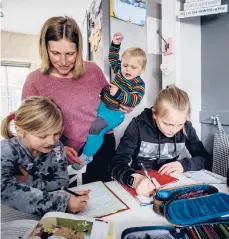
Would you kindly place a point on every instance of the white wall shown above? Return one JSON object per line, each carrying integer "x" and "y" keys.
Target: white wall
{"x": 189, "y": 66}
{"x": 28, "y": 16}
{"x": 186, "y": 60}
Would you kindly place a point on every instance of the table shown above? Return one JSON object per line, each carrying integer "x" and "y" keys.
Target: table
{"x": 136, "y": 216}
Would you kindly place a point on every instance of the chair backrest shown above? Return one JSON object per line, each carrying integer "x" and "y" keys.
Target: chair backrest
{"x": 76, "y": 174}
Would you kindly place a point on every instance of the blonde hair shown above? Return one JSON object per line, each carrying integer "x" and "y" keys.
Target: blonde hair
{"x": 174, "y": 97}
{"x": 36, "y": 115}
{"x": 58, "y": 28}
{"x": 136, "y": 52}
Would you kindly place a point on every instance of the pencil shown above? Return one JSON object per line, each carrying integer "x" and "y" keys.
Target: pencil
{"x": 147, "y": 175}
{"x": 69, "y": 191}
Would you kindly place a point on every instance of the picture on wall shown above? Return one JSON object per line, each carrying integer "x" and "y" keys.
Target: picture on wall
{"x": 133, "y": 11}
{"x": 94, "y": 25}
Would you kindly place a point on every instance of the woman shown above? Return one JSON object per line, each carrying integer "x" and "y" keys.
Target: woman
{"x": 75, "y": 86}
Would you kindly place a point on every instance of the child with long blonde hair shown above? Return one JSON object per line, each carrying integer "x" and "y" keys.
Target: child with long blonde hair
{"x": 33, "y": 162}
{"x": 156, "y": 138}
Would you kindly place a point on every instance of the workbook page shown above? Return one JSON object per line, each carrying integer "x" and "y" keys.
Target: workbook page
{"x": 101, "y": 201}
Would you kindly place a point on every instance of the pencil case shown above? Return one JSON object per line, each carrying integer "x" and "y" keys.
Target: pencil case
{"x": 165, "y": 196}
{"x": 201, "y": 231}
{"x": 194, "y": 212}
{"x": 190, "y": 205}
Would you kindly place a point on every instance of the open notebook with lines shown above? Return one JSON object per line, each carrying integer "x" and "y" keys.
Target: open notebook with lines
{"x": 9, "y": 214}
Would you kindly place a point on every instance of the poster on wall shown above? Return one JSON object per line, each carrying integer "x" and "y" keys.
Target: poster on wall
{"x": 132, "y": 11}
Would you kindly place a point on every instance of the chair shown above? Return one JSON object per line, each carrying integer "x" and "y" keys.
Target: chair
{"x": 77, "y": 174}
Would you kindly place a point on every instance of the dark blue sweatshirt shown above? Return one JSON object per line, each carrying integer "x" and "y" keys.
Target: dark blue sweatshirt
{"x": 143, "y": 142}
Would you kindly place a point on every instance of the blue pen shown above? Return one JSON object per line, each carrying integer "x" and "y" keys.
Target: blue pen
{"x": 147, "y": 175}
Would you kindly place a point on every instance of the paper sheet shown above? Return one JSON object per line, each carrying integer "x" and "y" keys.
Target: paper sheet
{"x": 19, "y": 229}
{"x": 145, "y": 200}
{"x": 101, "y": 201}
{"x": 10, "y": 214}
{"x": 204, "y": 176}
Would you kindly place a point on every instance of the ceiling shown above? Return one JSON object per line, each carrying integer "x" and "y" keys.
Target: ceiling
{"x": 28, "y": 16}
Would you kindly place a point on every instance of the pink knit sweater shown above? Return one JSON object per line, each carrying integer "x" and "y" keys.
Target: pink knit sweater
{"x": 78, "y": 99}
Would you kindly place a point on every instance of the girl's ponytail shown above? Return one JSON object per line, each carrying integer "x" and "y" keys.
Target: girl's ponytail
{"x": 5, "y": 126}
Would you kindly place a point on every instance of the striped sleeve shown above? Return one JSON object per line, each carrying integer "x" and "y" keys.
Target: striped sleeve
{"x": 131, "y": 98}
{"x": 113, "y": 57}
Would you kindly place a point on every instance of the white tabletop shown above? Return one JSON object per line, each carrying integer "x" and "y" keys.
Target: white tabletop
{"x": 136, "y": 216}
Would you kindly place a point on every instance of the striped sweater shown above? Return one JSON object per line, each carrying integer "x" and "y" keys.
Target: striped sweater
{"x": 130, "y": 92}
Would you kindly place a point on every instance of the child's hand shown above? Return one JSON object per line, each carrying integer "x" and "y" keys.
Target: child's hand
{"x": 144, "y": 187}
{"x": 113, "y": 89}
{"x": 77, "y": 204}
{"x": 117, "y": 38}
{"x": 72, "y": 155}
{"x": 24, "y": 177}
{"x": 171, "y": 168}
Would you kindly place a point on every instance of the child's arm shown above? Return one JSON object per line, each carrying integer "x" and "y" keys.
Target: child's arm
{"x": 113, "y": 55}
{"x": 131, "y": 98}
{"x": 24, "y": 197}
{"x": 120, "y": 166}
{"x": 57, "y": 174}
{"x": 200, "y": 157}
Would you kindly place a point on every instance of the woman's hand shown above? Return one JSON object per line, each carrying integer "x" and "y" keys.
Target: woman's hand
{"x": 24, "y": 177}
{"x": 72, "y": 155}
{"x": 77, "y": 204}
{"x": 126, "y": 109}
{"x": 113, "y": 89}
{"x": 171, "y": 168}
{"x": 144, "y": 187}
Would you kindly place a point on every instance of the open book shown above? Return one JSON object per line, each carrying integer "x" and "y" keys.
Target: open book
{"x": 99, "y": 195}
{"x": 163, "y": 180}
{"x": 58, "y": 225}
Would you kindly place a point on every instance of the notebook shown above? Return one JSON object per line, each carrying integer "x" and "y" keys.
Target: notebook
{"x": 163, "y": 180}
{"x": 99, "y": 195}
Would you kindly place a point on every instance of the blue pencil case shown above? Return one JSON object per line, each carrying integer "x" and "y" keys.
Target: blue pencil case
{"x": 190, "y": 205}
{"x": 195, "y": 212}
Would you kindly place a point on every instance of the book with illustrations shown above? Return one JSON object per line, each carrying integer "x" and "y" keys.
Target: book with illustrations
{"x": 162, "y": 179}
{"x": 58, "y": 225}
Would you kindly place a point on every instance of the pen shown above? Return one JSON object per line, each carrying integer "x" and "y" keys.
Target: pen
{"x": 69, "y": 191}
{"x": 147, "y": 175}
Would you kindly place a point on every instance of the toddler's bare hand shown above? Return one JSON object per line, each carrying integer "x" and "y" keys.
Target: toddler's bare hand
{"x": 117, "y": 38}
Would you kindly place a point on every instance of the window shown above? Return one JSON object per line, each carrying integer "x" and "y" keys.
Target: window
{"x": 13, "y": 76}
